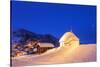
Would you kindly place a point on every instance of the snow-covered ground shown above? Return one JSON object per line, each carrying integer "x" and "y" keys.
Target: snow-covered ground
{"x": 66, "y": 54}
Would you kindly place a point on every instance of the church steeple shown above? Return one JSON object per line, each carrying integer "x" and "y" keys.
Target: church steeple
{"x": 71, "y": 29}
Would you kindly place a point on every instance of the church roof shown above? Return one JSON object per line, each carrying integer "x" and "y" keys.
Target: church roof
{"x": 69, "y": 36}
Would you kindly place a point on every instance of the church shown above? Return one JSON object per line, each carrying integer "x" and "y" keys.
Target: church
{"x": 69, "y": 39}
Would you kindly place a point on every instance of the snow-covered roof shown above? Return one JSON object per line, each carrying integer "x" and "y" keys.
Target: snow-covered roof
{"x": 68, "y": 36}
{"x": 46, "y": 45}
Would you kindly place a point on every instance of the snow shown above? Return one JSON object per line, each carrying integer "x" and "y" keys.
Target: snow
{"x": 46, "y": 45}
{"x": 82, "y": 53}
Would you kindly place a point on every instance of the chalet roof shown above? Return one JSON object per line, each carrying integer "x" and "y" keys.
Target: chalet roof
{"x": 69, "y": 36}
{"x": 46, "y": 45}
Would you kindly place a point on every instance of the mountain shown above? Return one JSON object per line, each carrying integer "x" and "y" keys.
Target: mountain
{"x": 22, "y": 35}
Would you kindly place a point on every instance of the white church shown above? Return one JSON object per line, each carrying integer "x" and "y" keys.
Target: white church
{"x": 69, "y": 39}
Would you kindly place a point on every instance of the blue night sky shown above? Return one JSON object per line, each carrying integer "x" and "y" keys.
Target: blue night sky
{"x": 55, "y": 19}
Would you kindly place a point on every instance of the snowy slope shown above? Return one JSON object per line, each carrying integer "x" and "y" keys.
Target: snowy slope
{"x": 82, "y": 53}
